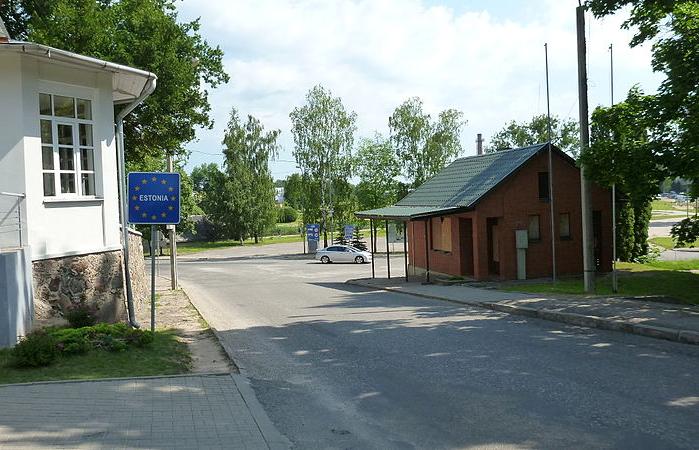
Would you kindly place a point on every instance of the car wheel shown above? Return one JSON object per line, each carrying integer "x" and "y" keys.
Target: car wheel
{"x": 359, "y": 260}
{"x": 324, "y": 259}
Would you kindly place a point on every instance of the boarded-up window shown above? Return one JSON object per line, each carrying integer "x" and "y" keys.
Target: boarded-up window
{"x": 564, "y": 225}
{"x": 441, "y": 233}
{"x": 534, "y": 233}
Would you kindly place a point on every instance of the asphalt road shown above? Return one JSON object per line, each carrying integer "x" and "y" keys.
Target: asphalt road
{"x": 337, "y": 366}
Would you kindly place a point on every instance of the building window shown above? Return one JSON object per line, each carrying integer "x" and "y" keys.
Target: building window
{"x": 543, "y": 185}
{"x": 564, "y": 225}
{"x": 441, "y": 233}
{"x": 534, "y": 231}
{"x": 67, "y": 147}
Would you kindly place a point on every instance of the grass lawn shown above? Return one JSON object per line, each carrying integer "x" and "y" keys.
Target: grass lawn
{"x": 667, "y": 216}
{"x": 284, "y": 229}
{"x": 194, "y": 247}
{"x": 165, "y": 356}
{"x": 184, "y": 248}
{"x": 665, "y": 278}
{"x": 662, "y": 205}
{"x": 667, "y": 242}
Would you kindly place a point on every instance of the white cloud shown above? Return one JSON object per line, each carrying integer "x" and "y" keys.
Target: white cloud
{"x": 376, "y": 53}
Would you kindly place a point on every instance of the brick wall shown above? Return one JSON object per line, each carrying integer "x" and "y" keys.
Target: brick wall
{"x": 512, "y": 203}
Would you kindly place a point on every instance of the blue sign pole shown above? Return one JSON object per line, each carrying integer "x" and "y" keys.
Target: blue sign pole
{"x": 154, "y": 199}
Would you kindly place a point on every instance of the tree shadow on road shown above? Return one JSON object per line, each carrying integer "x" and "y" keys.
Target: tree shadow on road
{"x": 429, "y": 374}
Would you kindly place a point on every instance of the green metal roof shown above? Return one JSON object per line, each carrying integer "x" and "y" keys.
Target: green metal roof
{"x": 459, "y": 186}
{"x": 401, "y": 212}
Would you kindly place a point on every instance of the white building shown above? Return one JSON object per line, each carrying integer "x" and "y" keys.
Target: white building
{"x": 58, "y": 149}
{"x": 279, "y": 195}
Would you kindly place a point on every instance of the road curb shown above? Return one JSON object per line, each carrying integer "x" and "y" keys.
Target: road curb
{"x": 104, "y": 380}
{"x": 273, "y": 437}
{"x": 652, "y": 331}
{"x": 275, "y": 440}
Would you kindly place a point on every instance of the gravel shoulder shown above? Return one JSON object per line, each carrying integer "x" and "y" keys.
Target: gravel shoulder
{"x": 174, "y": 311}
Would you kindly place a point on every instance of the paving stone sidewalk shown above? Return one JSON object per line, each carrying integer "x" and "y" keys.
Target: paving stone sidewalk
{"x": 659, "y": 320}
{"x": 193, "y": 411}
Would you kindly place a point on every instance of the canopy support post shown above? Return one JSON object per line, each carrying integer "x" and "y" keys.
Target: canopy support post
{"x": 371, "y": 243}
{"x": 405, "y": 248}
{"x": 427, "y": 252}
{"x": 388, "y": 254}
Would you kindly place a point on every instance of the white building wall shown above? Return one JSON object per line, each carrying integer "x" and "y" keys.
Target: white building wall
{"x": 11, "y": 148}
{"x": 61, "y": 227}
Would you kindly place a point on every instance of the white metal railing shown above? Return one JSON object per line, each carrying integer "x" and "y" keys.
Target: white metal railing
{"x": 11, "y": 229}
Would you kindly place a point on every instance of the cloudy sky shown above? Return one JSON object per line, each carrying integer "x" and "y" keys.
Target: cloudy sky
{"x": 483, "y": 57}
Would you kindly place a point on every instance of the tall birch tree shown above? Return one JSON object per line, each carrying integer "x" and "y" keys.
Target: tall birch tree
{"x": 323, "y": 132}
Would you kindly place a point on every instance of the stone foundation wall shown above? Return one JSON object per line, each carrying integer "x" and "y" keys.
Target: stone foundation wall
{"x": 95, "y": 279}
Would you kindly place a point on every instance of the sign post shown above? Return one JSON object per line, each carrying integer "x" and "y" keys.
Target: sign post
{"x": 349, "y": 233}
{"x": 312, "y": 235}
{"x": 154, "y": 199}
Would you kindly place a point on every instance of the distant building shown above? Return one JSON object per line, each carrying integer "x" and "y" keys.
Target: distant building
{"x": 463, "y": 221}
{"x": 279, "y": 195}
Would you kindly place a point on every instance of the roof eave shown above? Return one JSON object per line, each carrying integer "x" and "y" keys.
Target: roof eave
{"x": 438, "y": 211}
{"x": 121, "y": 73}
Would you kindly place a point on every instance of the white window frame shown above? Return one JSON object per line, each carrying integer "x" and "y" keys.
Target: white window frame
{"x": 78, "y": 171}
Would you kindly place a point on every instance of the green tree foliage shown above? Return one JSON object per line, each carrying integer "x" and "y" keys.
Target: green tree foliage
{"x": 294, "y": 191}
{"x": 287, "y": 214}
{"x": 213, "y": 194}
{"x": 424, "y": 146}
{"x": 622, "y": 152}
{"x": 625, "y": 237}
{"x": 323, "y": 132}
{"x": 565, "y": 134}
{"x": 378, "y": 169}
{"x": 248, "y": 149}
{"x": 138, "y": 33}
{"x": 673, "y": 29}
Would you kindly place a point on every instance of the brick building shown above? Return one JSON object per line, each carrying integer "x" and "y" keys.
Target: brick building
{"x": 463, "y": 221}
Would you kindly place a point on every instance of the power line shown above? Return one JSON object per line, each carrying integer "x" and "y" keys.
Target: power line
{"x": 221, "y": 154}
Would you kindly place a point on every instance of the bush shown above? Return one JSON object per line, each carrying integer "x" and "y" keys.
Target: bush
{"x": 36, "y": 349}
{"x": 287, "y": 214}
{"x": 71, "y": 341}
{"x": 139, "y": 338}
{"x": 81, "y": 315}
{"x": 41, "y": 348}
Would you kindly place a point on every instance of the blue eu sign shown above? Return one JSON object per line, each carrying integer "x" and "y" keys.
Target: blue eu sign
{"x": 154, "y": 198}
{"x": 313, "y": 232}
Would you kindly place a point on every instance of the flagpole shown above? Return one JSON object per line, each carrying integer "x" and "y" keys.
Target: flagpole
{"x": 550, "y": 157}
{"x": 615, "y": 283}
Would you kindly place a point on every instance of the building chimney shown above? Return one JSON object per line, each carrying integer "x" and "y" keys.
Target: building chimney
{"x": 479, "y": 144}
{"x": 4, "y": 35}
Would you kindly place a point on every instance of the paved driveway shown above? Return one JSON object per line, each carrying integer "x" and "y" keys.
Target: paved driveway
{"x": 338, "y": 366}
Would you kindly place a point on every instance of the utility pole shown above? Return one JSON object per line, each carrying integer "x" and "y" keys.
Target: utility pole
{"x": 171, "y": 237}
{"x": 551, "y": 209}
{"x": 588, "y": 252}
{"x": 615, "y": 283}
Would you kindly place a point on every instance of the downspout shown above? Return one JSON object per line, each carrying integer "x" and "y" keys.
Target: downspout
{"x": 123, "y": 201}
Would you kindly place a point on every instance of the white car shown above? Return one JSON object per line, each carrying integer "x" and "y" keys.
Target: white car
{"x": 342, "y": 253}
